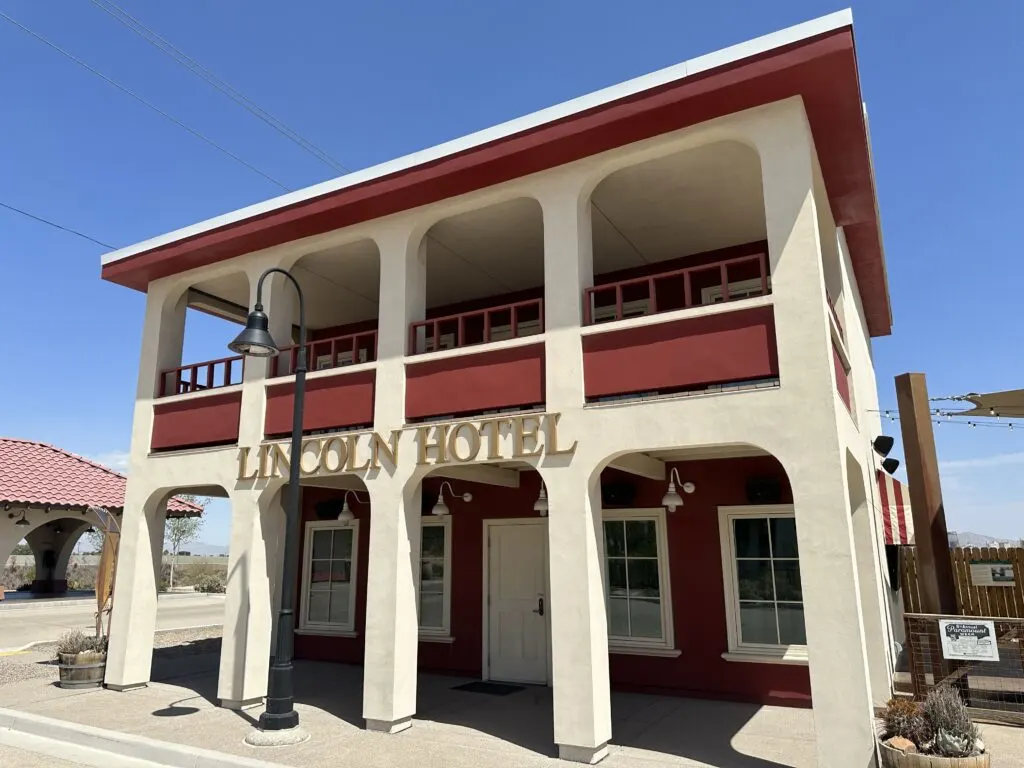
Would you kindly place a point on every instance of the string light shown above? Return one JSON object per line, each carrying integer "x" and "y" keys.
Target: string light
{"x": 940, "y": 416}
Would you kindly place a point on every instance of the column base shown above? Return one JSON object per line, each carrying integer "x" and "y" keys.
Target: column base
{"x": 242, "y": 704}
{"x": 388, "y": 726}
{"x": 587, "y": 755}
{"x": 128, "y": 687}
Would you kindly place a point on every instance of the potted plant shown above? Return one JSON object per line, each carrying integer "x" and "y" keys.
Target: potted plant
{"x": 82, "y": 660}
{"x": 940, "y": 730}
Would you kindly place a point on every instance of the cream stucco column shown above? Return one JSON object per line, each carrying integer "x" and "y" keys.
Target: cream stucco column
{"x": 391, "y": 643}
{"x": 579, "y": 630}
{"x": 245, "y": 652}
{"x": 579, "y": 624}
{"x": 817, "y": 472}
{"x": 133, "y": 619}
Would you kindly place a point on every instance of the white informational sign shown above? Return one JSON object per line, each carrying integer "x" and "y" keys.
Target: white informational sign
{"x": 992, "y": 573}
{"x": 968, "y": 640}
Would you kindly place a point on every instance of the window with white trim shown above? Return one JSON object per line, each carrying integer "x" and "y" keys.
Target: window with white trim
{"x": 606, "y": 312}
{"x": 738, "y": 289}
{"x": 435, "y": 577}
{"x": 763, "y": 596}
{"x": 329, "y": 576}
{"x": 637, "y": 579}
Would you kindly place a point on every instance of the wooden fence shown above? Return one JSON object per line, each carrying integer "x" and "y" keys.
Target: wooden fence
{"x": 972, "y": 600}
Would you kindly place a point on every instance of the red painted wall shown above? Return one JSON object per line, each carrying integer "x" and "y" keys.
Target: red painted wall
{"x": 695, "y": 573}
{"x": 471, "y": 383}
{"x": 196, "y": 422}
{"x": 341, "y": 400}
{"x": 682, "y": 354}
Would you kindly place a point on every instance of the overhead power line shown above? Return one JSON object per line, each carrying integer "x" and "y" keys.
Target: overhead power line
{"x": 161, "y": 43}
{"x": 143, "y": 101}
{"x": 55, "y": 225}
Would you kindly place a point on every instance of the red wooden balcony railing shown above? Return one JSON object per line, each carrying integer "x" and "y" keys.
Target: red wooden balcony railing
{"x": 729, "y": 280}
{"x": 480, "y": 326}
{"x": 324, "y": 354}
{"x": 198, "y": 377}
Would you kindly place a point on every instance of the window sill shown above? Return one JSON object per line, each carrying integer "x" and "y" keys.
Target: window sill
{"x": 427, "y": 638}
{"x": 796, "y": 657}
{"x": 326, "y": 631}
{"x": 635, "y": 650}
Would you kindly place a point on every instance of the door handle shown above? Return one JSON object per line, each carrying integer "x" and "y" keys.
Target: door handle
{"x": 539, "y": 610}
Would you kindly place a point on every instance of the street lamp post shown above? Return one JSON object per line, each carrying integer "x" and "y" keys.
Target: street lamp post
{"x": 255, "y": 341}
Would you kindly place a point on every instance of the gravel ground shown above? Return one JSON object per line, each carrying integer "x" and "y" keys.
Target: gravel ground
{"x": 39, "y": 662}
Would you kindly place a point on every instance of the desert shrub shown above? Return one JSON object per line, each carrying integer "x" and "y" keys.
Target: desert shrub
{"x": 14, "y": 576}
{"x": 74, "y": 642}
{"x": 192, "y": 575}
{"x": 946, "y": 714}
{"x": 211, "y": 583}
{"x": 904, "y": 717}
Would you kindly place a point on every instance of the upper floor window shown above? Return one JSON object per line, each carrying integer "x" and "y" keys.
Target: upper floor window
{"x": 738, "y": 289}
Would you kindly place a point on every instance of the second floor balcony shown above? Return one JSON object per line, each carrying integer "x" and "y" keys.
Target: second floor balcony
{"x": 680, "y": 301}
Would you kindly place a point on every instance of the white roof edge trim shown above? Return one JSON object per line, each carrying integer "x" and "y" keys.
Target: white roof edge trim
{"x": 729, "y": 55}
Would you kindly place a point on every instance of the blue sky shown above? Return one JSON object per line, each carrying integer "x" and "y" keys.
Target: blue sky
{"x": 372, "y": 81}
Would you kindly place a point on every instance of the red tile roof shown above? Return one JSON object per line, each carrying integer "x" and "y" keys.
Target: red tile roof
{"x": 40, "y": 474}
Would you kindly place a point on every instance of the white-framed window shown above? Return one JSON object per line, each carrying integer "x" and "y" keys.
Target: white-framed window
{"x": 606, "y": 313}
{"x": 636, "y": 577}
{"x": 326, "y": 362}
{"x": 523, "y": 328}
{"x": 435, "y": 588}
{"x": 738, "y": 289}
{"x": 329, "y": 576}
{"x": 763, "y": 596}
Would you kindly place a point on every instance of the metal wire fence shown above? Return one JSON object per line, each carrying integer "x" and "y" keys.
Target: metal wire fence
{"x": 993, "y": 690}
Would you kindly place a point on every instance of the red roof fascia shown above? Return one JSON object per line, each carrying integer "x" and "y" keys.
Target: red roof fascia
{"x": 821, "y": 70}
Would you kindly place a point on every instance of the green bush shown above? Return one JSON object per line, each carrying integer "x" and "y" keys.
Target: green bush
{"x": 211, "y": 583}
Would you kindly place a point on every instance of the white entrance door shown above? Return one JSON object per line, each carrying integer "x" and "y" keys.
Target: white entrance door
{"x": 517, "y": 616}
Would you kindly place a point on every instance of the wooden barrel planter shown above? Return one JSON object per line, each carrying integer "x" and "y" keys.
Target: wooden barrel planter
{"x": 82, "y": 670}
{"x": 894, "y": 758}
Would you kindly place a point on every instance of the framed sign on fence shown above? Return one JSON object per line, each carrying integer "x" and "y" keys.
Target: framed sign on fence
{"x": 968, "y": 640}
{"x": 992, "y": 573}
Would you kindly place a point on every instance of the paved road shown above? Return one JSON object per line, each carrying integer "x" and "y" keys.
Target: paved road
{"x": 21, "y": 624}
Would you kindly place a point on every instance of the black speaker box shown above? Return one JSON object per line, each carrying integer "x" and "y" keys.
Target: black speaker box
{"x": 329, "y": 509}
{"x": 764, "y": 490}
{"x": 619, "y": 493}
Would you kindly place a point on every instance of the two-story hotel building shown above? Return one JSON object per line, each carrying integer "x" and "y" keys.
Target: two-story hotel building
{"x": 590, "y": 405}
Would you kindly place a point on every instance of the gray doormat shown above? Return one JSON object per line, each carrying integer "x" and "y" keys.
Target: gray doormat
{"x": 494, "y": 689}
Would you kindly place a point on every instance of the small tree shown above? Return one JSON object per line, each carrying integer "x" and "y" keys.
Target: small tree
{"x": 22, "y": 549}
{"x": 179, "y": 531}
{"x": 94, "y": 541}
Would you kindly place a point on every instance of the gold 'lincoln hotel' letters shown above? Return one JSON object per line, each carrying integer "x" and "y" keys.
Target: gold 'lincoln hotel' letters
{"x": 498, "y": 438}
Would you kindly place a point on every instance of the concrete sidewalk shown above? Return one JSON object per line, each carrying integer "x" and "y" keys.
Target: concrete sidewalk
{"x": 452, "y": 728}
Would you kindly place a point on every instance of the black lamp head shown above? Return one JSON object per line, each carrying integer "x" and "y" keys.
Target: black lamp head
{"x": 882, "y": 445}
{"x": 255, "y": 339}
{"x": 891, "y": 465}
{"x": 23, "y": 521}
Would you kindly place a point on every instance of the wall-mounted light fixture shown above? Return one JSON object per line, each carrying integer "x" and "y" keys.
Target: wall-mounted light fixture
{"x": 346, "y": 516}
{"x": 440, "y": 508}
{"x": 541, "y": 504}
{"x": 23, "y": 521}
{"x": 672, "y": 500}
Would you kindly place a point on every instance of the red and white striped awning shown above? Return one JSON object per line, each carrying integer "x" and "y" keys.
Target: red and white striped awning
{"x": 894, "y": 500}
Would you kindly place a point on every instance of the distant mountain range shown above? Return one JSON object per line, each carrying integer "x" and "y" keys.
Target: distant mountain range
{"x": 968, "y": 539}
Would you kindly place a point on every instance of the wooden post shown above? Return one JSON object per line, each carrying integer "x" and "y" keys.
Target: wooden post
{"x": 934, "y": 566}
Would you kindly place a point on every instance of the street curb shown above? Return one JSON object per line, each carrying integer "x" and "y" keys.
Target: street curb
{"x": 34, "y": 643}
{"x": 124, "y": 744}
{"x": 78, "y": 602}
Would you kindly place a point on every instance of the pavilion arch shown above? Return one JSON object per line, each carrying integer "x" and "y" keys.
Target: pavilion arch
{"x": 52, "y": 535}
